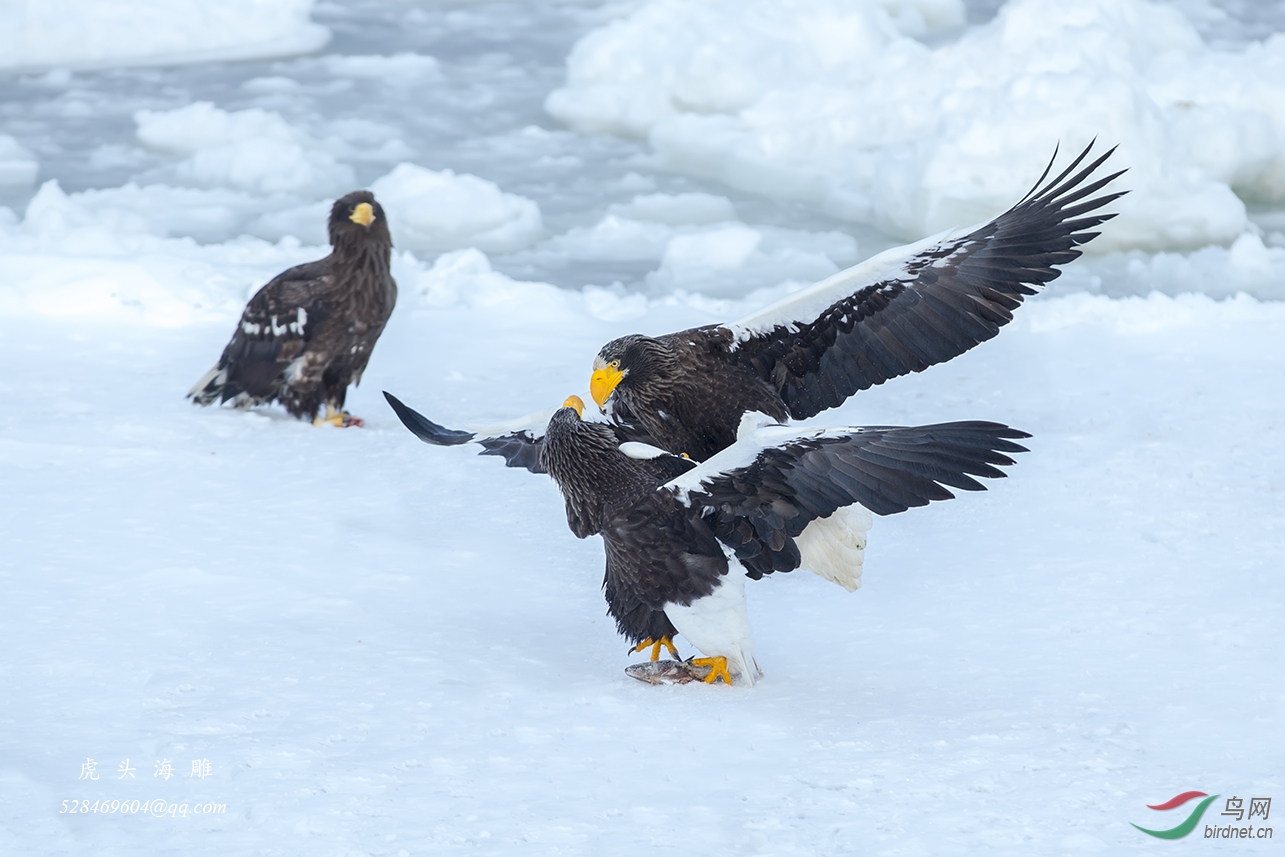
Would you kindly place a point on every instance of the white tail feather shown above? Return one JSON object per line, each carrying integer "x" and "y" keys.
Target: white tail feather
{"x": 834, "y": 548}
{"x": 216, "y": 377}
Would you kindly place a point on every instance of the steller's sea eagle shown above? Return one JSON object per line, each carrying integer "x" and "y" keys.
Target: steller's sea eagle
{"x": 306, "y": 335}
{"x": 681, "y": 538}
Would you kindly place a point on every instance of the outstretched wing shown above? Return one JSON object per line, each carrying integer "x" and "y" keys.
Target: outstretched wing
{"x": 766, "y": 488}
{"x": 274, "y": 330}
{"x": 519, "y": 447}
{"x": 911, "y": 307}
{"x": 521, "y": 441}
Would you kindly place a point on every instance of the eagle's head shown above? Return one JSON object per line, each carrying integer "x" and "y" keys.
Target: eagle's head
{"x": 631, "y": 361}
{"x": 571, "y": 443}
{"x": 357, "y": 219}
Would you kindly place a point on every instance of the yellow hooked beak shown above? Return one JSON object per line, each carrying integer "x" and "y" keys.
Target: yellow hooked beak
{"x": 603, "y": 381}
{"x": 364, "y": 214}
{"x": 575, "y": 402}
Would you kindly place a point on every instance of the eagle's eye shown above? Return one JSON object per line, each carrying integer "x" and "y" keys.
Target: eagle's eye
{"x": 614, "y": 364}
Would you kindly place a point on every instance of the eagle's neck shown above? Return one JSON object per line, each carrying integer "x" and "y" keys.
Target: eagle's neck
{"x": 597, "y": 480}
{"x": 369, "y": 260}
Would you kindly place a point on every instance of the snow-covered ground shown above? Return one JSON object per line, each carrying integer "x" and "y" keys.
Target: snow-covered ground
{"x": 384, "y": 648}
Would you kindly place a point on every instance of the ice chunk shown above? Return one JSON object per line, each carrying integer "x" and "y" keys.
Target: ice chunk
{"x": 732, "y": 259}
{"x": 403, "y": 67}
{"x": 254, "y": 150}
{"x": 1248, "y": 266}
{"x": 723, "y": 249}
{"x": 830, "y": 103}
{"x": 17, "y": 165}
{"x": 432, "y": 211}
{"x": 677, "y": 208}
{"x": 98, "y": 33}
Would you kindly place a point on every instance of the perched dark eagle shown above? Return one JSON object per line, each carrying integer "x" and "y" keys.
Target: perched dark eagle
{"x": 898, "y": 312}
{"x": 682, "y": 537}
{"x": 308, "y": 334}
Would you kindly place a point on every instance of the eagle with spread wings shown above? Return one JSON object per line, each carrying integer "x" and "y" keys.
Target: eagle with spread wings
{"x": 899, "y": 312}
{"x": 681, "y": 538}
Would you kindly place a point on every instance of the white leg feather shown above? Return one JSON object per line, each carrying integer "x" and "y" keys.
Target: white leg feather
{"x": 719, "y": 624}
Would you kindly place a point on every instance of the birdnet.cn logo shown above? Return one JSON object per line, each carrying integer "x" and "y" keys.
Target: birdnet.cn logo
{"x": 1237, "y": 818}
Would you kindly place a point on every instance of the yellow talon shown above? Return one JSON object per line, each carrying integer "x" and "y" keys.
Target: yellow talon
{"x": 338, "y": 419}
{"x": 656, "y": 645}
{"x": 332, "y": 417}
{"x": 717, "y": 669}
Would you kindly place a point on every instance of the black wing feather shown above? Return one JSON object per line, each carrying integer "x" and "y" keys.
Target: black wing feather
{"x": 758, "y": 509}
{"x": 268, "y": 336}
{"x": 944, "y": 301}
{"x": 424, "y": 428}
{"x": 518, "y": 449}
{"x": 522, "y": 448}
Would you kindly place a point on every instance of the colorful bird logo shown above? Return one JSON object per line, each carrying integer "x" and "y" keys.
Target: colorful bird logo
{"x": 1192, "y": 820}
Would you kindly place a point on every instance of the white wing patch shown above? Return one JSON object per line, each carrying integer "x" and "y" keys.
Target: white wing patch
{"x": 752, "y": 421}
{"x": 641, "y": 451}
{"x": 743, "y": 453}
{"x": 296, "y": 327}
{"x": 807, "y": 305}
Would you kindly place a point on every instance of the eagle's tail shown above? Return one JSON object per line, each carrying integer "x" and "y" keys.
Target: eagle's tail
{"x": 834, "y": 547}
{"x": 209, "y": 388}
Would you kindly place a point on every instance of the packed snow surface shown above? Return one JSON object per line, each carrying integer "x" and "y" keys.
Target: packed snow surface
{"x": 390, "y": 649}
{"x": 383, "y": 647}
{"x": 97, "y": 33}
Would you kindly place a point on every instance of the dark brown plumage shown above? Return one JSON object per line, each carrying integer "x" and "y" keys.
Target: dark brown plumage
{"x": 673, "y": 530}
{"x": 307, "y": 334}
